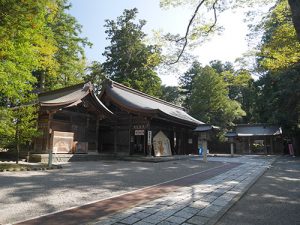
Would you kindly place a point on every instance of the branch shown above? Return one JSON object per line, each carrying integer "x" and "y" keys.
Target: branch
{"x": 185, "y": 38}
{"x": 215, "y": 17}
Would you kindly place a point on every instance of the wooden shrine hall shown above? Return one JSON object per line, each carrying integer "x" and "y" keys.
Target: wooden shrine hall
{"x": 121, "y": 121}
{"x": 144, "y": 124}
{"x": 69, "y": 120}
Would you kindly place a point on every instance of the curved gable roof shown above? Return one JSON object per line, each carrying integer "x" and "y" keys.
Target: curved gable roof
{"x": 70, "y": 96}
{"x": 140, "y": 102}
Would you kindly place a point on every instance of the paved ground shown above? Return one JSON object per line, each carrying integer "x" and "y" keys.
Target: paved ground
{"x": 194, "y": 199}
{"x": 35, "y": 193}
{"x": 274, "y": 199}
{"x": 200, "y": 203}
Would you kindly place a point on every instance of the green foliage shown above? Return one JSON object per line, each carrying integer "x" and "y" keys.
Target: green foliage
{"x": 278, "y": 90}
{"x": 69, "y": 56}
{"x": 18, "y": 126}
{"x": 241, "y": 88}
{"x": 278, "y": 99}
{"x": 39, "y": 49}
{"x": 209, "y": 99}
{"x": 128, "y": 59}
{"x": 186, "y": 82}
{"x": 95, "y": 75}
{"x": 26, "y": 45}
{"x": 280, "y": 47}
{"x": 172, "y": 94}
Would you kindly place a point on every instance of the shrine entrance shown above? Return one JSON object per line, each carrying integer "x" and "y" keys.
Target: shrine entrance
{"x": 139, "y": 142}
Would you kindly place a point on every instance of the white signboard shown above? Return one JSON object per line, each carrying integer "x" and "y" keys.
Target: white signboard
{"x": 161, "y": 145}
{"x": 139, "y": 132}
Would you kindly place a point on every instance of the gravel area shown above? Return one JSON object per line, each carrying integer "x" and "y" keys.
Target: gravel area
{"x": 24, "y": 195}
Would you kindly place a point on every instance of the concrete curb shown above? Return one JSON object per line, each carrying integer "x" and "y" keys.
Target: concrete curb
{"x": 224, "y": 210}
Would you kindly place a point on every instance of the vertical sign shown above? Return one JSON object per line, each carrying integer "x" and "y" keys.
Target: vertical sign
{"x": 149, "y": 137}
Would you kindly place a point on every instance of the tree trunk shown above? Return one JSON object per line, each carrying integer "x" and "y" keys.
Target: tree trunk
{"x": 17, "y": 137}
{"x": 295, "y": 9}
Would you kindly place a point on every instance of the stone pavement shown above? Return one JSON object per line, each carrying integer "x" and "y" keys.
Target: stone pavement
{"x": 201, "y": 203}
{"x": 274, "y": 199}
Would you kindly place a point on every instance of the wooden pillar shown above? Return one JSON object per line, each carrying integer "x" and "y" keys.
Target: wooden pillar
{"x": 145, "y": 143}
{"x": 97, "y": 134}
{"x": 266, "y": 146}
{"x": 49, "y": 145}
{"x": 115, "y": 139}
{"x": 231, "y": 149}
{"x": 249, "y": 145}
{"x": 204, "y": 145}
{"x": 271, "y": 145}
{"x": 182, "y": 141}
{"x": 129, "y": 133}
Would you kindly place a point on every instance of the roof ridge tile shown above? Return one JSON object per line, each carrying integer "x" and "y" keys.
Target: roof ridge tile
{"x": 145, "y": 95}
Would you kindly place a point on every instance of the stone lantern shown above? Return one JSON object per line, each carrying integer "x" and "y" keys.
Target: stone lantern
{"x": 203, "y": 131}
{"x": 231, "y": 135}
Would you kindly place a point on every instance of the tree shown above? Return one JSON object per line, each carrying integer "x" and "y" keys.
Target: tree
{"x": 204, "y": 20}
{"x": 209, "y": 99}
{"x": 186, "y": 82}
{"x": 96, "y": 75}
{"x": 295, "y": 10}
{"x": 278, "y": 61}
{"x": 279, "y": 48}
{"x": 172, "y": 94}
{"x": 128, "y": 59}
{"x": 38, "y": 42}
{"x": 69, "y": 56}
{"x": 26, "y": 45}
{"x": 18, "y": 126}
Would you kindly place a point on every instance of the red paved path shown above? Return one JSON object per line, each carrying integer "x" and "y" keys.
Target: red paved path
{"x": 93, "y": 211}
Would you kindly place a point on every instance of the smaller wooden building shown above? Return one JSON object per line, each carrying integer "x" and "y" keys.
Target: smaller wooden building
{"x": 256, "y": 139}
{"x": 69, "y": 120}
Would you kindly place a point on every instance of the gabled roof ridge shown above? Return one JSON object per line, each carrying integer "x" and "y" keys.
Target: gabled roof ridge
{"x": 142, "y": 94}
{"x": 256, "y": 124}
{"x": 65, "y": 88}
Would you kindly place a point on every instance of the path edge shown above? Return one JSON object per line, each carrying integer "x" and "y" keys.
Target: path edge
{"x": 225, "y": 209}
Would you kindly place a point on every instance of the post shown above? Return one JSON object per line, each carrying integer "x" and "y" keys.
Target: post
{"x": 149, "y": 142}
{"x": 115, "y": 139}
{"x": 49, "y": 140}
{"x": 50, "y": 149}
{"x": 97, "y": 134}
{"x": 204, "y": 151}
{"x": 231, "y": 149}
{"x": 249, "y": 145}
{"x": 272, "y": 145}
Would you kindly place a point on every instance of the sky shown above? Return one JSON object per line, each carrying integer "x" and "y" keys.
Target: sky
{"x": 91, "y": 14}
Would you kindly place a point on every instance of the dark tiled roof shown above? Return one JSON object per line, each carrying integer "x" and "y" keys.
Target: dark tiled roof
{"x": 137, "y": 101}
{"x": 68, "y": 96}
{"x": 248, "y": 130}
{"x": 206, "y": 127}
{"x": 64, "y": 96}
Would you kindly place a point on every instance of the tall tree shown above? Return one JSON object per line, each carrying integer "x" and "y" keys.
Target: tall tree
{"x": 39, "y": 41}
{"x": 279, "y": 62}
{"x": 128, "y": 59}
{"x": 26, "y": 45}
{"x": 172, "y": 94}
{"x": 70, "y": 56}
{"x": 209, "y": 99}
{"x": 186, "y": 82}
{"x": 96, "y": 75}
